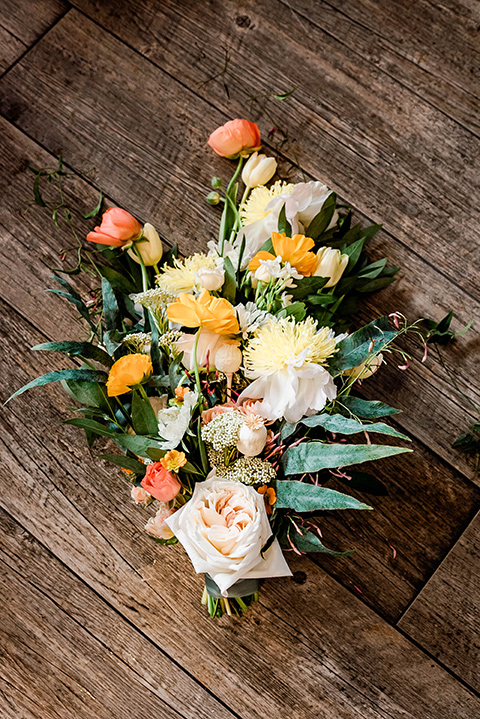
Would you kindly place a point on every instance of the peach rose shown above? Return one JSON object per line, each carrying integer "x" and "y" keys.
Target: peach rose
{"x": 161, "y": 484}
{"x": 235, "y": 138}
{"x": 118, "y": 227}
{"x": 209, "y": 414}
{"x": 139, "y": 495}
{"x": 156, "y": 525}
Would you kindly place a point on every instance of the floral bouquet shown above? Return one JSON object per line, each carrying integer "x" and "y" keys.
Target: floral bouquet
{"x": 226, "y": 377}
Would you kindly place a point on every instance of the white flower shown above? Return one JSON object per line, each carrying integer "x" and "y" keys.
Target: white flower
{"x": 223, "y": 529}
{"x": 233, "y": 253}
{"x": 156, "y": 525}
{"x": 208, "y": 345}
{"x": 302, "y": 203}
{"x": 150, "y": 246}
{"x": 210, "y": 279}
{"x": 250, "y": 317}
{"x": 173, "y": 422}
{"x": 332, "y": 264}
{"x": 258, "y": 170}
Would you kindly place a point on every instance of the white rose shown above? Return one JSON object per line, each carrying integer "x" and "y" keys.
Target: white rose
{"x": 210, "y": 278}
{"x": 223, "y": 529}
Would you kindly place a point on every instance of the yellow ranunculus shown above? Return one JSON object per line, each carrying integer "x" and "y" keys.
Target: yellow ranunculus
{"x": 173, "y": 460}
{"x": 294, "y": 250}
{"x": 128, "y": 371}
{"x": 212, "y": 313}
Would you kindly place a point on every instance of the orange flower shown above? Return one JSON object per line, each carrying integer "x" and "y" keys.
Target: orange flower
{"x": 269, "y": 495}
{"x": 180, "y": 393}
{"x": 173, "y": 460}
{"x": 237, "y": 137}
{"x": 294, "y": 250}
{"x": 118, "y": 227}
{"x": 212, "y": 313}
{"x": 128, "y": 371}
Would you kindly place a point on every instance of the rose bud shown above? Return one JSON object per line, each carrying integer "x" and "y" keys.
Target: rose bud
{"x": 150, "y": 247}
{"x": 235, "y": 138}
{"x": 118, "y": 228}
{"x": 140, "y": 496}
{"x": 258, "y": 170}
{"x": 161, "y": 484}
{"x": 262, "y": 274}
{"x": 330, "y": 263}
{"x": 156, "y": 525}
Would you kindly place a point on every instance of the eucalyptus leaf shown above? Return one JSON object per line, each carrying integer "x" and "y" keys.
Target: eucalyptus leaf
{"x": 367, "y": 409}
{"x": 82, "y": 349}
{"x": 63, "y": 374}
{"x": 305, "y": 497}
{"x": 311, "y": 457}
{"x": 124, "y": 462}
{"x": 337, "y": 423}
{"x": 309, "y": 542}
{"x": 91, "y": 394}
{"x": 356, "y": 348}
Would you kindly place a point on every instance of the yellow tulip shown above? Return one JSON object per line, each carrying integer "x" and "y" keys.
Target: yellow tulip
{"x": 212, "y": 313}
{"x": 127, "y": 372}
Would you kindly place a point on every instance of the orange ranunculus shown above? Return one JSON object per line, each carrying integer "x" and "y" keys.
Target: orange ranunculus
{"x": 117, "y": 228}
{"x": 173, "y": 460}
{"x": 237, "y": 137}
{"x": 213, "y": 313}
{"x": 294, "y": 250}
{"x": 128, "y": 371}
{"x": 160, "y": 483}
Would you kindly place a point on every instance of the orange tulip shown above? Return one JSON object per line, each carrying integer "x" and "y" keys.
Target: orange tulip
{"x": 118, "y": 227}
{"x": 212, "y": 313}
{"x": 235, "y": 138}
{"x": 127, "y": 372}
{"x": 294, "y": 250}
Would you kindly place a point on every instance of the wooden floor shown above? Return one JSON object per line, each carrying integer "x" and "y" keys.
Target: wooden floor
{"x": 98, "y": 621}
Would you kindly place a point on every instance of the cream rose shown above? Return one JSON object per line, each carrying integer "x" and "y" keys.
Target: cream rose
{"x": 223, "y": 529}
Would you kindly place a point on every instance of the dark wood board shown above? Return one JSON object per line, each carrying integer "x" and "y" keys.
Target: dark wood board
{"x": 29, "y": 19}
{"x": 445, "y": 617}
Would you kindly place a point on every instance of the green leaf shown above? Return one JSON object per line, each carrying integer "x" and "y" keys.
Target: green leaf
{"x": 309, "y": 542}
{"x": 54, "y": 217}
{"x": 155, "y": 351}
{"x": 296, "y": 310}
{"x": 365, "y": 409}
{"x": 134, "y": 443}
{"x": 356, "y": 348}
{"x": 125, "y": 462}
{"x": 354, "y": 251}
{"x": 36, "y": 189}
{"x": 97, "y": 208}
{"x": 373, "y": 270}
{"x": 112, "y": 340}
{"x": 92, "y": 425}
{"x": 156, "y": 454}
{"x": 91, "y": 394}
{"x": 322, "y": 220}
{"x": 111, "y": 310}
{"x": 307, "y": 286}
{"x": 374, "y": 285}
{"x": 79, "y": 304}
{"x": 304, "y": 497}
{"x": 284, "y": 95}
{"x": 74, "y": 374}
{"x": 143, "y": 415}
{"x": 283, "y": 224}
{"x": 82, "y": 349}
{"x": 311, "y": 457}
{"x": 337, "y": 423}
{"x": 229, "y": 288}
{"x": 118, "y": 281}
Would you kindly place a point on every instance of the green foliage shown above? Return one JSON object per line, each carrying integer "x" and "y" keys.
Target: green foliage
{"x": 87, "y": 375}
{"x": 229, "y": 288}
{"x": 81, "y": 349}
{"x": 283, "y": 223}
{"x": 306, "y": 541}
{"x": 339, "y": 424}
{"x": 111, "y": 310}
{"x": 311, "y": 457}
{"x": 143, "y": 415}
{"x": 322, "y": 220}
{"x": 366, "y": 409}
{"x": 121, "y": 460}
{"x": 356, "y": 348}
{"x": 304, "y": 497}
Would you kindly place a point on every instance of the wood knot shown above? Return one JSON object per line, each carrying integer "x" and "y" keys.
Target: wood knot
{"x": 299, "y": 577}
{"x": 243, "y": 21}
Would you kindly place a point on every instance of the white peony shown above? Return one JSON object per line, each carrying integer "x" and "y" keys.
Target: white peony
{"x": 174, "y": 421}
{"x": 223, "y": 529}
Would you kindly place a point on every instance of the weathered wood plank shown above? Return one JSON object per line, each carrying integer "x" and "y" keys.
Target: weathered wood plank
{"x": 362, "y": 125}
{"x": 430, "y": 48}
{"x": 176, "y": 169}
{"x": 79, "y": 618}
{"x": 445, "y": 617}
{"x": 10, "y": 49}
{"x": 28, "y": 19}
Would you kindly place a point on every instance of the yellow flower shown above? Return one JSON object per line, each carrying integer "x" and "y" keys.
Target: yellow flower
{"x": 269, "y": 495}
{"x": 180, "y": 393}
{"x": 256, "y": 206}
{"x": 278, "y": 345}
{"x": 128, "y": 371}
{"x": 294, "y": 250}
{"x": 181, "y": 277}
{"x": 212, "y": 313}
{"x": 173, "y": 460}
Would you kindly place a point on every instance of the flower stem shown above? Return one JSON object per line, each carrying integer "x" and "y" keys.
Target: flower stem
{"x": 221, "y": 236}
{"x": 195, "y": 363}
{"x": 145, "y": 283}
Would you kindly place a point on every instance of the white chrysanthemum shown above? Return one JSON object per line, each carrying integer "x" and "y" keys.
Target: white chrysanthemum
{"x": 285, "y": 361}
{"x": 182, "y": 276}
{"x": 250, "y": 318}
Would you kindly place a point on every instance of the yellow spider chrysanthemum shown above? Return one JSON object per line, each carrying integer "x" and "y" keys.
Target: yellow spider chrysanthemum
{"x": 277, "y": 345}
{"x": 256, "y": 206}
{"x": 181, "y": 277}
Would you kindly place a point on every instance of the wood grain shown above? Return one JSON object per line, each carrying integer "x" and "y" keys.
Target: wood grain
{"x": 444, "y": 618}
{"x": 177, "y": 169}
{"x": 10, "y": 49}
{"x": 362, "y": 125}
{"x": 29, "y": 19}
